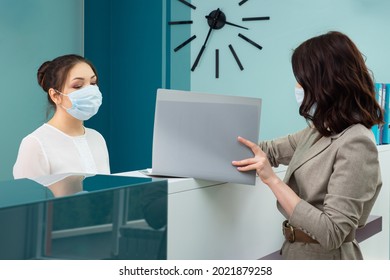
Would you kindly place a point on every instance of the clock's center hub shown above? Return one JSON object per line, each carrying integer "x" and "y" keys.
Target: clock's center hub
{"x": 216, "y": 19}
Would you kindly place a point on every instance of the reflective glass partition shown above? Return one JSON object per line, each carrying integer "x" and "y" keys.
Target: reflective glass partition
{"x": 78, "y": 216}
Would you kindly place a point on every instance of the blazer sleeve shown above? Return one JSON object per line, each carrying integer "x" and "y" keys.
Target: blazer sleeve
{"x": 281, "y": 150}
{"x": 31, "y": 161}
{"x": 351, "y": 192}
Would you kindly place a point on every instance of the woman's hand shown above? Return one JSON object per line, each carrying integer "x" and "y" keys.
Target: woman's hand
{"x": 259, "y": 163}
{"x": 287, "y": 198}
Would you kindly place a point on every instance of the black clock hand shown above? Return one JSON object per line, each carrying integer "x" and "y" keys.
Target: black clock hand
{"x": 188, "y": 4}
{"x": 215, "y": 20}
{"x": 236, "y": 25}
{"x": 229, "y": 23}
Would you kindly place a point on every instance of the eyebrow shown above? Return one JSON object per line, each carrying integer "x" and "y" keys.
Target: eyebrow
{"x": 80, "y": 78}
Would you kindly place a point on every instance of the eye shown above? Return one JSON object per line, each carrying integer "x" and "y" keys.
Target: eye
{"x": 93, "y": 81}
{"x": 78, "y": 86}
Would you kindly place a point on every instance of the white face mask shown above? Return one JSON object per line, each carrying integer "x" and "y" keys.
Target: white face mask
{"x": 299, "y": 94}
{"x": 85, "y": 102}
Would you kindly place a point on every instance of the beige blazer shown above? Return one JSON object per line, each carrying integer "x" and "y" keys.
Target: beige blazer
{"x": 338, "y": 179}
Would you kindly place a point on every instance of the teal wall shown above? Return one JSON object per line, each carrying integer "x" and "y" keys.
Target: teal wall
{"x": 131, "y": 45}
{"x": 97, "y": 48}
{"x": 31, "y": 32}
{"x": 268, "y": 73}
{"x": 179, "y": 62}
{"x": 124, "y": 39}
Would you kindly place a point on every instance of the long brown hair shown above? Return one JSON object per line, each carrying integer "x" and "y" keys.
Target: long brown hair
{"x": 339, "y": 89}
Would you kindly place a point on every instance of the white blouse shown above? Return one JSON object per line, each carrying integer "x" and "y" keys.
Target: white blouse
{"x": 48, "y": 151}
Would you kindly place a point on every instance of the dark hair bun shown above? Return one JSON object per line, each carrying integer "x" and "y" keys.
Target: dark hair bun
{"x": 41, "y": 74}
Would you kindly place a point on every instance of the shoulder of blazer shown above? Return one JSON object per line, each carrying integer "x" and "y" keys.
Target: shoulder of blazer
{"x": 355, "y": 129}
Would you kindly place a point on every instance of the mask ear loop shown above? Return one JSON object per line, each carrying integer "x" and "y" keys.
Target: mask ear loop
{"x": 52, "y": 95}
{"x": 57, "y": 91}
{"x": 60, "y": 93}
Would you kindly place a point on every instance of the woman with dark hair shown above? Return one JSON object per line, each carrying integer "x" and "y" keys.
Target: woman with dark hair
{"x": 63, "y": 144}
{"x": 333, "y": 176}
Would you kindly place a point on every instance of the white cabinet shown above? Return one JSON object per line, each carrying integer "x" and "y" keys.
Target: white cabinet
{"x": 377, "y": 247}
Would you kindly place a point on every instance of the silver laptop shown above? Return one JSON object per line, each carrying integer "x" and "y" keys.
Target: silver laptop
{"x": 195, "y": 135}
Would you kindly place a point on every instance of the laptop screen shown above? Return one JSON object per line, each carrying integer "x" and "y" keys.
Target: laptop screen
{"x": 195, "y": 135}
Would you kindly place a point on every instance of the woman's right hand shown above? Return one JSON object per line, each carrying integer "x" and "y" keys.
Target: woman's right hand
{"x": 258, "y": 162}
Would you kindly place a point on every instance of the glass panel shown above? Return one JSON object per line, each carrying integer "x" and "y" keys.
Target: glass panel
{"x": 77, "y": 216}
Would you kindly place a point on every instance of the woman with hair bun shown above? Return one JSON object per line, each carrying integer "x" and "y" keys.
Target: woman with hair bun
{"x": 63, "y": 144}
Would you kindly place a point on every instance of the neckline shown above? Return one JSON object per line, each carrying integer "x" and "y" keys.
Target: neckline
{"x": 67, "y": 135}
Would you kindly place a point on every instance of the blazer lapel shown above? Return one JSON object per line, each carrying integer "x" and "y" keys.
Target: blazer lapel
{"x": 310, "y": 150}
{"x": 307, "y": 154}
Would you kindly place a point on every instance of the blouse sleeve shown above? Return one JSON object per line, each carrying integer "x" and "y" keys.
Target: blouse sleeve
{"x": 106, "y": 156}
{"x": 31, "y": 161}
{"x": 99, "y": 151}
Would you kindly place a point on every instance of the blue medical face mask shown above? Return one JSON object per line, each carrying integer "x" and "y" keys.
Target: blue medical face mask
{"x": 85, "y": 102}
{"x": 299, "y": 94}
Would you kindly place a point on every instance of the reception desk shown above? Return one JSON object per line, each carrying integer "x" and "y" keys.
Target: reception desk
{"x": 211, "y": 220}
{"x": 132, "y": 216}
{"x": 217, "y": 220}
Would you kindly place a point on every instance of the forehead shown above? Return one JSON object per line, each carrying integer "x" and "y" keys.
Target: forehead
{"x": 81, "y": 70}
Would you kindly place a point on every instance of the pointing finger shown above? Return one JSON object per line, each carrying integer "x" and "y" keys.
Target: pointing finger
{"x": 254, "y": 147}
{"x": 243, "y": 162}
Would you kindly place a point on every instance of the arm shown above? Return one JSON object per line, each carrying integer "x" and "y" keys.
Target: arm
{"x": 287, "y": 198}
{"x": 350, "y": 193}
{"x": 105, "y": 165}
{"x": 281, "y": 150}
{"x": 31, "y": 161}
{"x": 270, "y": 154}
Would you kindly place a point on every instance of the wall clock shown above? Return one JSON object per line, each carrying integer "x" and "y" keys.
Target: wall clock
{"x": 216, "y": 20}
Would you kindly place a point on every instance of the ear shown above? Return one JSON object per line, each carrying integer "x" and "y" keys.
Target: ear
{"x": 54, "y": 96}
